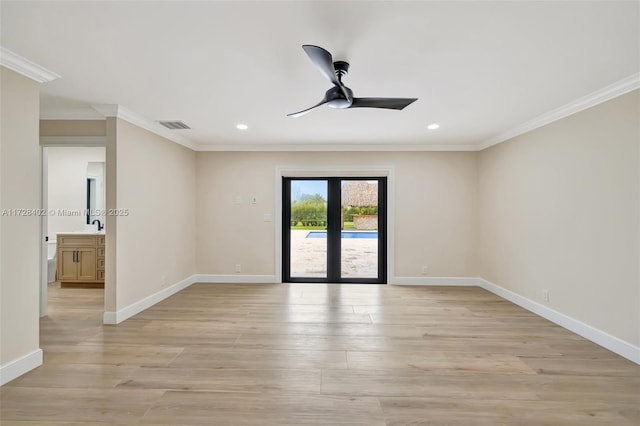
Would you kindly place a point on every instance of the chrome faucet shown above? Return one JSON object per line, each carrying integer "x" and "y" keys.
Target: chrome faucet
{"x": 100, "y": 226}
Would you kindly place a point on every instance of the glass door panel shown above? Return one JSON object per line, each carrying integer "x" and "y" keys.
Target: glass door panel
{"x": 334, "y": 230}
{"x": 308, "y": 228}
{"x": 359, "y": 229}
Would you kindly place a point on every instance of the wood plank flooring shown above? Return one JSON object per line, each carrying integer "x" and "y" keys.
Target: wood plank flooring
{"x": 319, "y": 355}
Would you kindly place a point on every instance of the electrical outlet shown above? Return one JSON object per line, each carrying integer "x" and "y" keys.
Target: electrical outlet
{"x": 163, "y": 280}
{"x": 425, "y": 270}
{"x": 238, "y": 268}
{"x": 254, "y": 199}
{"x": 545, "y": 295}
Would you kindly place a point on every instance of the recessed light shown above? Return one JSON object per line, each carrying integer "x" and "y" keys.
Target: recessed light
{"x": 433, "y": 126}
{"x": 241, "y": 126}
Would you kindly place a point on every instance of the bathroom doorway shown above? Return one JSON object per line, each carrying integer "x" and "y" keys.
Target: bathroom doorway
{"x": 72, "y": 220}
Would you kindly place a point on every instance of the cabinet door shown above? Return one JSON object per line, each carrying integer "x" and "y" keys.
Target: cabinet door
{"x": 67, "y": 267}
{"x": 86, "y": 264}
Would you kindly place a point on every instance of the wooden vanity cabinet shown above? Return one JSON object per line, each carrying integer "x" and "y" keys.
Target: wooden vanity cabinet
{"x": 80, "y": 259}
{"x": 100, "y": 259}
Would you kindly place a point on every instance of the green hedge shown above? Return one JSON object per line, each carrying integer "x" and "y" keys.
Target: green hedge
{"x": 350, "y": 211}
{"x": 309, "y": 212}
{"x": 309, "y": 222}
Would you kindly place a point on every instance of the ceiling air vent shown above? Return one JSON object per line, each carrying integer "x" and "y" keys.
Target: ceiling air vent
{"x": 174, "y": 125}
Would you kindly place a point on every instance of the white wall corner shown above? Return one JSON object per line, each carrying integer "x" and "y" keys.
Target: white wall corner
{"x": 110, "y": 318}
{"x": 127, "y": 312}
{"x": 235, "y": 279}
{"x": 27, "y": 68}
{"x": 614, "y": 344}
{"x": 434, "y": 281}
{"x": 19, "y": 366}
{"x": 106, "y": 110}
{"x": 112, "y": 110}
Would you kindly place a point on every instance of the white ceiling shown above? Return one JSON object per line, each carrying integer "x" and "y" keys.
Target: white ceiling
{"x": 479, "y": 69}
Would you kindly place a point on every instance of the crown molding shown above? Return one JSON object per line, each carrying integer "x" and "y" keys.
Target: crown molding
{"x": 118, "y": 111}
{"x": 333, "y": 147}
{"x": 107, "y": 110}
{"x": 614, "y": 90}
{"x": 97, "y": 112}
{"x": 70, "y": 114}
{"x": 17, "y": 63}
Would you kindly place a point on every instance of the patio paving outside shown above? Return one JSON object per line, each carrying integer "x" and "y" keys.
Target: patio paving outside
{"x": 309, "y": 256}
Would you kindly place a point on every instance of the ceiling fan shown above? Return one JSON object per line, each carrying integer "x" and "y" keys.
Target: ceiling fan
{"x": 340, "y": 96}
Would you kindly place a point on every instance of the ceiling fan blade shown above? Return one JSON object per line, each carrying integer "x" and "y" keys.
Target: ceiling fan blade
{"x": 323, "y": 62}
{"x": 304, "y": 111}
{"x": 388, "y": 103}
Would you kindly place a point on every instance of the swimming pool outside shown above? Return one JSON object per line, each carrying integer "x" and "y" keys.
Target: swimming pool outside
{"x": 345, "y": 234}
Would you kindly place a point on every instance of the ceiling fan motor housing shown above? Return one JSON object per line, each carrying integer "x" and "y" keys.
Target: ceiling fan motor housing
{"x": 336, "y": 99}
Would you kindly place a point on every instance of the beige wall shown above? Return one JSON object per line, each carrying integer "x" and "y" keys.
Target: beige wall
{"x": 111, "y": 221}
{"x": 67, "y": 186}
{"x": 434, "y": 196}
{"x": 72, "y": 127}
{"x": 20, "y": 181}
{"x": 156, "y": 184}
{"x": 558, "y": 210}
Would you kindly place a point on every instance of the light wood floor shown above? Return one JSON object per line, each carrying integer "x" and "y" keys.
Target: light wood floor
{"x": 318, "y": 354}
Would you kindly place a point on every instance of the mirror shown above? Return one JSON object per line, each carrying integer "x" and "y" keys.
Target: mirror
{"x": 95, "y": 194}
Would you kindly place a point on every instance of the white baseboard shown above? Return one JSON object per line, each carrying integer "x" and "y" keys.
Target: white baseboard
{"x": 436, "y": 281}
{"x": 614, "y": 344}
{"x": 235, "y": 279}
{"x": 19, "y": 366}
{"x": 139, "y": 306}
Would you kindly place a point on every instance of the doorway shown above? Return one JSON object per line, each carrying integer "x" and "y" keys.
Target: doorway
{"x": 74, "y": 199}
{"x": 334, "y": 229}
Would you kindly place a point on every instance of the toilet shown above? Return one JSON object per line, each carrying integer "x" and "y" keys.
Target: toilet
{"x": 51, "y": 261}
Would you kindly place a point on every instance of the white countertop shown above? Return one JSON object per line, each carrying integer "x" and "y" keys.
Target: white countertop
{"x": 81, "y": 233}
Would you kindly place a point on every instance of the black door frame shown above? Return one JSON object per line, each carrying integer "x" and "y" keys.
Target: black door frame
{"x": 334, "y": 236}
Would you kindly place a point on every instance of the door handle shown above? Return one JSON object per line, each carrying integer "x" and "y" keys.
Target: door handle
{"x": 75, "y": 256}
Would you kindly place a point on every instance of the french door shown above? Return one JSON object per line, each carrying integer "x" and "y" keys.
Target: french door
{"x": 334, "y": 230}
